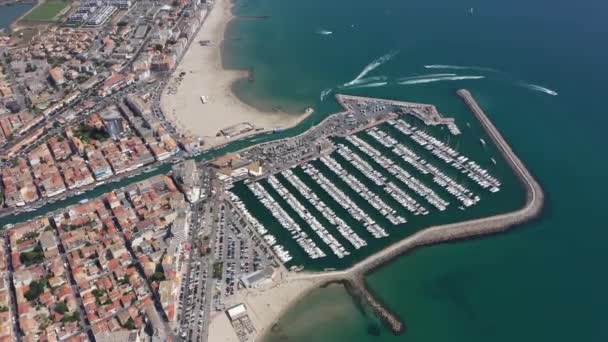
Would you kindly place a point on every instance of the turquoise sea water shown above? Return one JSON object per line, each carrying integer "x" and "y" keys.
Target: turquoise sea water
{"x": 543, "y": 281}
{"x": 11, "y": 12}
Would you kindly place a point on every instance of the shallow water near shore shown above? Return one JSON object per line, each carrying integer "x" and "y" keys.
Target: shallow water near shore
{"x": 542, "y": 85}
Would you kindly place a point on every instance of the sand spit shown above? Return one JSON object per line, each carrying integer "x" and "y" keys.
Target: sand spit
{"x": 204, "y": 76}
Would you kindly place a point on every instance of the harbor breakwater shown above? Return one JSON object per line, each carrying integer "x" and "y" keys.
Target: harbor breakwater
{"x": 353, "y": 277}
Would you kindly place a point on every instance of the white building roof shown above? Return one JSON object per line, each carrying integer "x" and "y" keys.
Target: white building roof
{"x": 237, "y": 311}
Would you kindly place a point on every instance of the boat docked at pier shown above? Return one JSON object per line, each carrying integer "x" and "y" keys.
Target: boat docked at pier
{"x": 296, "y": 232}
{"x": 335, "y": 246}
{"x": 344, "y": 229}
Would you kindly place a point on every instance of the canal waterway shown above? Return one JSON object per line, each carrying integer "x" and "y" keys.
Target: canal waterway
{"x": 9, "y": 13}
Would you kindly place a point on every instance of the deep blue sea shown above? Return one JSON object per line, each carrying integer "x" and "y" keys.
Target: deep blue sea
{"x": 544, "y": 65}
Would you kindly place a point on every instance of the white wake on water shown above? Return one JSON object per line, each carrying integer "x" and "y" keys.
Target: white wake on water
{"x": 539, "y": 88}
{"x": 423, "y": 76}
{"x": 363, "y": 81}
{"x": 524, "y": 84}
{"x": 368, "y": 85}
{"x": 324, "y": 32}
{"x": 439, "y": 79}
{"x": 371, "y": 66}
{"x": 325, "y": 92}
{"x": 461, "y": 67}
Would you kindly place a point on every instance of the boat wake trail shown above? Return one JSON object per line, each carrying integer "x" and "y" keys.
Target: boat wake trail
{"x": 423, "y": 76}
{"x": 538, "y": 88}
{"x": 462, "y": 67}
{"x": 369, "y": 85}
{"x": 324, "y": 32}
{"x": 438, "y": 79}
{"x": 325, "y": 92}
{"x": 371, "y": 66}
{"x": 364, "y": 81}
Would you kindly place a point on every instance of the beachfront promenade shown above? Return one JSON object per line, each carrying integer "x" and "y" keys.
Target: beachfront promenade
{"x": 353, "y": 277}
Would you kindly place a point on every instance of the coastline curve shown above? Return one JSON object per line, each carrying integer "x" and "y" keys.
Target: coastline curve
{"x": 199, "y": 98}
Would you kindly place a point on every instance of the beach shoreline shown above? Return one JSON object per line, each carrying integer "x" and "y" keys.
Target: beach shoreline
{"x": 199, "y": 99}
{"x": 265, "y": 306}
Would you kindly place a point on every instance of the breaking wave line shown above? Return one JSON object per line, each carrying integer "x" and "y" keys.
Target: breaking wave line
{"x": 539, "y": 88}
{"x": 438, "y": 79}
{"x": 373, "y": 65}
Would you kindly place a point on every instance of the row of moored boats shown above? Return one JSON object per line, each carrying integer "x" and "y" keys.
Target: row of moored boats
{"x": 286, "y": 221}
{"x": 450, "y": 156}
{"x": 405, "y": 200}
{"x": 403, "y": 176}
{"x": 344, "y": 229}
{"x": 279, "y": 250}
{"x": 459, "y": 191}
{"x": 314, "y": 224}
{"x": 372, "y": 198}
{"x": 345, "y": 201}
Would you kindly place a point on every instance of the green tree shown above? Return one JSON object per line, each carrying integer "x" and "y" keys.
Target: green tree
{"x": 32, "y": 257}
{"x": 129, "y": 324}
{"x": 157, "y": 276}
{"x": 35, "y": 290}
{"x": 61, "y": 308}
{"x": 71, "y": 317}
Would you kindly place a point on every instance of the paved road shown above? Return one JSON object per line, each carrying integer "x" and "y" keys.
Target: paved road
{"x": 198, "y": 274}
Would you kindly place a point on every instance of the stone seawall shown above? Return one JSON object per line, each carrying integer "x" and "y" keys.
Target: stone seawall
{"x": 358, "y": 289}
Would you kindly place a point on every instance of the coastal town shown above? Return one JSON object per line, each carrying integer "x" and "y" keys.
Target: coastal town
{"x": 172, "y": 255}
{"x": 79, "y": 103}
{"x": 203, "y": 248}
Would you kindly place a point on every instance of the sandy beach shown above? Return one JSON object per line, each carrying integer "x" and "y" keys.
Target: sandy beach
{"x": 204, "y": 75}
{"x": 264, "y": 305}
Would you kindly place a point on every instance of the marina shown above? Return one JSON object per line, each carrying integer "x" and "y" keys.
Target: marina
{"x": 287, "y": 222}
{"x": 345, "y": 230}
{"x": 317, "y": 227}
{"x": 375, "y": 173}
{"x": 373, "y": 199}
